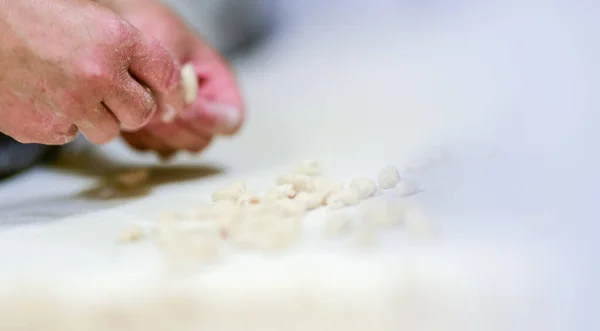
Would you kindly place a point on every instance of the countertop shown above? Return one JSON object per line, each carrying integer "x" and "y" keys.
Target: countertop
{"x": 491, "y": 107}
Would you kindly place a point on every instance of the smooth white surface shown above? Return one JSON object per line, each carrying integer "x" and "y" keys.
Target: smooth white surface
{"x": 506, "y": 90}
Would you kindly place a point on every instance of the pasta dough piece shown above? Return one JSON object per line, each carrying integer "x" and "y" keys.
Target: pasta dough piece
{"x": 343, "y": 198}
{"x": 231, "y": 192}
{"x": 309, "y": 168}
{"x": 189, "y": 81}
{"x": 388, "y": 177}
{"x": 281, "y": 191}
{"x": 300, "y": 182}
{"x": 365, "y": 187}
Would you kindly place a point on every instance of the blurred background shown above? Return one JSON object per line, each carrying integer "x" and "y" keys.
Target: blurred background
{"x": 387, "y": 81}
{"x": 508, "y": 90}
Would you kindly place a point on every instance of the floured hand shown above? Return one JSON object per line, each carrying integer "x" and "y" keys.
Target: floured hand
{"x": 218, "y": 108}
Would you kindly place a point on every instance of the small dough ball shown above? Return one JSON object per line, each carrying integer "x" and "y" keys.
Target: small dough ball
{"x": 232, "y": 191}
{"x": 299, "y": 181}
{"x": 388, "y": 177}
{"x": 327, "y": 187}
{"x": 189, "y": 80}
{"x": 309, "y": 168}
{"x": 291, "y": 207}
{"x": 351, "y": 197}
{"x": 284, "y": 191}
{"x": 343, "y": 198}
{"x": 248, "y": 199}
{"x": 407, "y": 187}
{"x": 311, "y": 200}
{"x": 365, "y": 187}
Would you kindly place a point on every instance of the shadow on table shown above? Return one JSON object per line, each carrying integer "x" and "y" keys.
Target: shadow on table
{"x": 120, "y": 181}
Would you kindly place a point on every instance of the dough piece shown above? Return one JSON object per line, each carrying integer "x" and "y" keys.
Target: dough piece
{"x": 343, "y": 198}
{"x": 309, "y": 168}
{"x": 248, "y": 199}
{"x": 388, "y": 177}
{"x": 284, "y": 191}
{"x": 327, "y": 187}
{"x": 189, "y": 81}
{"x": 365, "y": 187}
{"x": 311, "y": 200}
{"x": 299, "y": 181}
{"x": 231, "y": 192}
{"x": 291, "y": 208}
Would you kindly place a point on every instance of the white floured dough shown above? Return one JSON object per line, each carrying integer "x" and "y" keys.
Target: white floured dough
{"x": 190, "y": 83}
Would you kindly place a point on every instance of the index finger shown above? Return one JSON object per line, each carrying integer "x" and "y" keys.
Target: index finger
{"x": 153, "y": 66}
{"x": 219, "y": 107}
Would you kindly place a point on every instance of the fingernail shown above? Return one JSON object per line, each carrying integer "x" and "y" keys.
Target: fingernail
{"x": 227, "y": 117}
{"x": 169, "y": 115}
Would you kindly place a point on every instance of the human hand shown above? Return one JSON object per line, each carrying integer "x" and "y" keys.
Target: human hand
{"x": 218, "y": 109}
{"x": 73, "y": 65}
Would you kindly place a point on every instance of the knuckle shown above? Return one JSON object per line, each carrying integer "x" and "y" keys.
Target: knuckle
{"x": 166, "y": 69}
{"x": 62, "y": 134}
{"x": 118, "y": 32}
{"x": 146, "y": 109}
{"x": 93, "y": 70}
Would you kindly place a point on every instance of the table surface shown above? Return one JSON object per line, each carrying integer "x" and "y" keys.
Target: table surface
{"x": 493, "y": 108}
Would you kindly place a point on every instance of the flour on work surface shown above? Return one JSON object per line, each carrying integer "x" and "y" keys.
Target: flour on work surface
{"x": 272, "y": 219}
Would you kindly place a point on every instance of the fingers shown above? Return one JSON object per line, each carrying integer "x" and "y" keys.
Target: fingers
{"x": 144, "y": 140}
{"x": 217, "y": 77}
{"x": 167, "y": 138}
{"x": 98, "y": 125}
{"x": 219, "y": 107}
{"x": 178, "y": 137}
{"x": 152, "y": 65}
{"x": 214, "y": 117}
{"x": 131, "y": 103}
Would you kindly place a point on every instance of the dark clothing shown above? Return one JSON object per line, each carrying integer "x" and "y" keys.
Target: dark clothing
{"x": 16, "y": 157}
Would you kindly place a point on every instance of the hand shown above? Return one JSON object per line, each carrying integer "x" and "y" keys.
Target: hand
{"x": 218, "y": 109}
{"x": 70, "y": 65}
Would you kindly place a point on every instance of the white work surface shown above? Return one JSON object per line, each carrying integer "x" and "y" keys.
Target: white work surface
{"x": 493, "y": 108}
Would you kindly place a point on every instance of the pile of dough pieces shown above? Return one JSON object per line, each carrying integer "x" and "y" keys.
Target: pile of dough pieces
{"x": 273, "y": 220}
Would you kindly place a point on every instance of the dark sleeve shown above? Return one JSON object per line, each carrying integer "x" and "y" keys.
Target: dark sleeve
{"x": 16, "y": 157}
